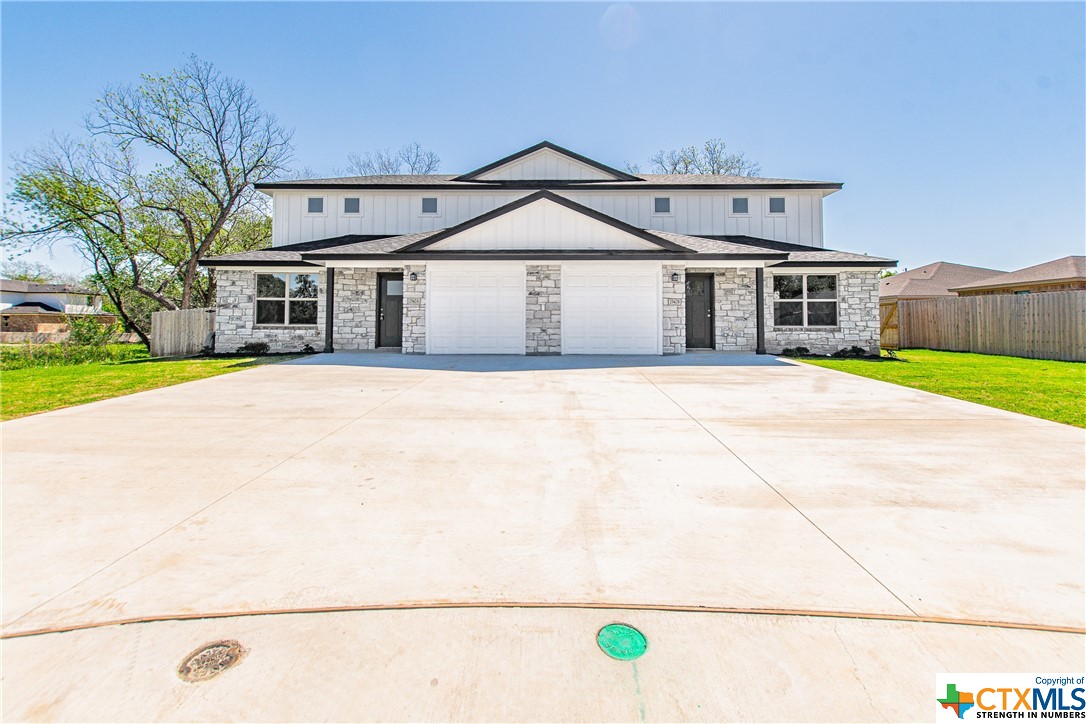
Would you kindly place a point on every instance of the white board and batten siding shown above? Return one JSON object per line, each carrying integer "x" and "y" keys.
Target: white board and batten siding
{"x": 393, "y": 211}
{"x": 543, "y": 225}
{"x": 546, "y": 165}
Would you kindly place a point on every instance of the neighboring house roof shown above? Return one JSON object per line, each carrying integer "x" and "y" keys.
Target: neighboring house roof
{"x": 19, "y": 285}
{"x": 31, "y": 308}
{"x": 614, "y": 172}
{"x": 1065, "y": 269}
{"x": 933, "y": 280}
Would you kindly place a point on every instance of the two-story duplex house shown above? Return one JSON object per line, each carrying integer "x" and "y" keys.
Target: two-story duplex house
{"x": 548, "y": 252}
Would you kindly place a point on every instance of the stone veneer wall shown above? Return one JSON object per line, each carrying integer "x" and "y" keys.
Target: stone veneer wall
{"x": 235, "y": 299}
{"x": 857, "y": 318}
{"x": 355, "y": 323}
{"x": 735, "y": 318}
{"x": 414, "y": 310}
{"x": 674, "y": 310}
{"x": 543, "y": 309}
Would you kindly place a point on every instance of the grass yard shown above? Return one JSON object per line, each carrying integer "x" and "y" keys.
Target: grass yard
{"x": 40, "y": 389}
{"x": 1041, "y": 388}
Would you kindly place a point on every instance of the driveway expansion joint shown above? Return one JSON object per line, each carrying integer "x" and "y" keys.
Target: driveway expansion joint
{"x": 779, "y": 493}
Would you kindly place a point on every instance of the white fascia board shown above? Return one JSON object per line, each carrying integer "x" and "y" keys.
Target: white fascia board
{"x": 822, "y": 269}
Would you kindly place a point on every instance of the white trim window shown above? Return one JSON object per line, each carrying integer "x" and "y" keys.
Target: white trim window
{"x": 777, "y": 205}
{"x": 661, "y": 206}
{"x": 352, "y": 206}
{"x": 314, "y": 206}
{"x": 431, "y": 206}
{"x": 740, "y": 206}
{"x": 805, "y": 300}
{"x": 286, "y": 300}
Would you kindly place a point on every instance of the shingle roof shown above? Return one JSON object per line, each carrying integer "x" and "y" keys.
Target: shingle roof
{"x": 19, "y": 285}
{"x": 644, "y": 180}
{"x": 32, "y": 308}
{"x": 933, "y": 280}
{"x": 1068, "y": 268}
{"x": 800, "y": 253}
{"x": 775, "y": 252}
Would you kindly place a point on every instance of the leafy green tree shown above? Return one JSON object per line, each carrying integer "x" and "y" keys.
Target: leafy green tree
{"x": 144, "y": 234}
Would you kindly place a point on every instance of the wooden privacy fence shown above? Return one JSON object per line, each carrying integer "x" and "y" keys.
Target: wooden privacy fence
{"x": 888, "y": 326}
{"x": 1049, "y": 325}
{"x": 182, "y": 332}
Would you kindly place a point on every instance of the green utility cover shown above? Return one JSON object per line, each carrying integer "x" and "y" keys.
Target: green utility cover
{"x": 621, "y": 642}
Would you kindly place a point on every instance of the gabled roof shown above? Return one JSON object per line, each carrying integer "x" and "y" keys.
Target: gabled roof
{"x": 1065, "y": 269}
{"x": 540, "y": 196}
{"x": 613, "y": 172}
{"x": 933, "y": 280}
{"x": 32, "y": 308}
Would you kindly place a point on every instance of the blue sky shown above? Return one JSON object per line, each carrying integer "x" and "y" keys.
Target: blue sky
{"x": 957, "y": 128}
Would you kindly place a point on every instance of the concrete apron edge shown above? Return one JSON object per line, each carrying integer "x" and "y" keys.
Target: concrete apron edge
{"x": 676, "y": 608}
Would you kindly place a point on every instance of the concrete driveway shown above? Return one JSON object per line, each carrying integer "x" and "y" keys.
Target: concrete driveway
{"x": 365, "y": 525}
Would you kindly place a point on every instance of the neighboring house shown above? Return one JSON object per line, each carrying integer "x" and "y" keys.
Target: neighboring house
{"x": 548, "y": 252}
{"x": 931, "y": 281}
{"x": 1058, "y": 275}
{"x": 40, "y": 312}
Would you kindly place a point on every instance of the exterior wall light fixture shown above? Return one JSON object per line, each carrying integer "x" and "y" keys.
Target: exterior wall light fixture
{"x": 413, "y": 277}
{"x": 674, "y": 276}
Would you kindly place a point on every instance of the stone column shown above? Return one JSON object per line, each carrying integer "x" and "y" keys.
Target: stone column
{"x": 674, "y": 310}
{"x": 543, "y": 309}
{"x": 414, "y": 309}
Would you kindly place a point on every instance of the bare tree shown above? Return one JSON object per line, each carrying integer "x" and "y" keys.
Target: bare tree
{"x": 419, "y": 160}
{"x": 712, "y": 157}
{"x": 387, "y": 162}
{"x": 220, "y": 143}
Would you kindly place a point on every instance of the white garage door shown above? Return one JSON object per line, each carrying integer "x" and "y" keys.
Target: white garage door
{"x": 611, "y": 309}
{"x": 475, "y": 309}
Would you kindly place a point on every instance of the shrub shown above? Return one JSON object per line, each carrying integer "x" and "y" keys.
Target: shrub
{"x": 308, "y": 349}
{"x": 795, "y": 352}
{"x": 850, "y": 352}
{"x": 257, "y": 348}
{"x": 89, "y": 332}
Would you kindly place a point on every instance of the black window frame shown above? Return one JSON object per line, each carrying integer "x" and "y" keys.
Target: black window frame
{"x": 804, "y": 300}
{"x": 287, "y": 300}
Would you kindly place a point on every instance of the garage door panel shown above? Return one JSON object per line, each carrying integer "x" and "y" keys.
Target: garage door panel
{"x": 477, "y": 310}
{"x": 609, "y": 310}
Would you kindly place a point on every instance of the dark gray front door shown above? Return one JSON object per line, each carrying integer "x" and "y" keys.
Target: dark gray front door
{"x": 390, "y": 310}
{"x": 699, "y": 311}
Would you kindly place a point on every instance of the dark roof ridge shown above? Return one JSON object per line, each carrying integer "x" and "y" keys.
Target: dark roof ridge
{"x": 473, "y": 175}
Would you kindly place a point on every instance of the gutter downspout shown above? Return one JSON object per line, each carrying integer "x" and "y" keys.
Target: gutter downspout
{"x": 759, "y": 306}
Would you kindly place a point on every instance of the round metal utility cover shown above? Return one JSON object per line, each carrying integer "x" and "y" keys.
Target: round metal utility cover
{"x": 210, "y": 660}
{"x": 621, "y": 642}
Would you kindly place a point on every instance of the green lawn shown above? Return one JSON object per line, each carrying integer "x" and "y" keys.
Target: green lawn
{"x": 1041, "y": 388}
{"x": 40, "y": 389}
